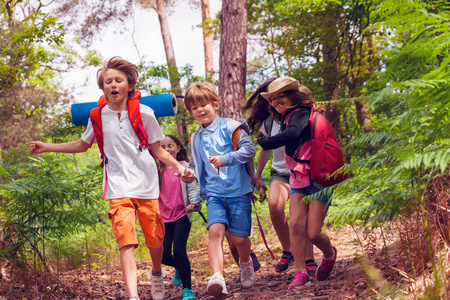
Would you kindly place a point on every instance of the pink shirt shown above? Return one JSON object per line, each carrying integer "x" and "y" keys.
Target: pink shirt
{"x": 171, "y": 202}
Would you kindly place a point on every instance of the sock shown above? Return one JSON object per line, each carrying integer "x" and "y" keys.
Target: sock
{"x": 241, "y": 263}
{"x": 330, "y": 258}
{"x": 154, "y": 273}
{"x": 309, "y": 261}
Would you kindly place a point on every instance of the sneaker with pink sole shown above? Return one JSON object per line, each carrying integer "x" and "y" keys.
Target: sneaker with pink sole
{"x": 325, "y": 267}
{"x": 300, "y": 279}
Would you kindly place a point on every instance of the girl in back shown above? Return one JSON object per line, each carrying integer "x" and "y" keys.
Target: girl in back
{"x": 262, "y": 117}
{"x": 293, "y": 103}
{"x": 175, "y": 196}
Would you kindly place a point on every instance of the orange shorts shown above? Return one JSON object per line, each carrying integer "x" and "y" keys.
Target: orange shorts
{"x": 123, "y": 219}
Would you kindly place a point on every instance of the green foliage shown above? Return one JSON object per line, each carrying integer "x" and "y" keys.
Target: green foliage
{"x": 410, "y": 145}
{"x": 23, "y": 54}
{"x": 50, "y": 202}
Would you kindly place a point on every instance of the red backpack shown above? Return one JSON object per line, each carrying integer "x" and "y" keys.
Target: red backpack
{"x": 326, "y": 154}
{"x": 134, "y": 115}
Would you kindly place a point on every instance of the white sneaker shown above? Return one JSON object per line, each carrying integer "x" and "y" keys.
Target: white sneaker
{"x": 157, "y": 287}
{"x": 247, "y": 274}
{"x": 216, "y": 286}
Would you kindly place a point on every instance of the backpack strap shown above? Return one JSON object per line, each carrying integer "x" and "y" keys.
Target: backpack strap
{"x": 289, "y": 116}
{"x": 96, "y": 121}
{"x": 235, "y": 140}
{"x": 134, "y": 113}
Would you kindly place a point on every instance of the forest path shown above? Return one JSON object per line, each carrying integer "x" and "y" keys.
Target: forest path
{"x": 347, "y": 281}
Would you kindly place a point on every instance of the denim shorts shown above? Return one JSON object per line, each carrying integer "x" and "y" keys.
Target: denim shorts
{"x": 312, "y": 189}
{"x": 234, "y": 212}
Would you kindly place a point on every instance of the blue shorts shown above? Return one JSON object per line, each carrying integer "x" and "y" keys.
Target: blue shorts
{"x": 235, "y": 213}
{"x": 312, "y": 189}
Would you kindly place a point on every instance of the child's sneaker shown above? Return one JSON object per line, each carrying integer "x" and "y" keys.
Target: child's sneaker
{"x": 286, "y": 259}
{"x": 256, "y": 264}
{"x": 216, "y": 286}
{"x": 134, "y": 298}
{"x": 311, "y": 267}
{"x": 176, "y": 278}
{"x": 157, "y": 287}
{"x": 300, "y": 279}
{"x": 187, "y": 294}
{"x": 325, "y": 267}
{"x": 247, "y": 274}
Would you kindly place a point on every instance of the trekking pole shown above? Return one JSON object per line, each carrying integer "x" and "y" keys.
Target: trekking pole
{"x": 203, "y": 217}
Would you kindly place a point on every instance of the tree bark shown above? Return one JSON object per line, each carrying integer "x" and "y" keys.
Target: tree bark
{"x": 174, "y": 77}
{"x": 233, "y": 58}
{"x": 207, "y": 41}
{"x": 329, "y": 41}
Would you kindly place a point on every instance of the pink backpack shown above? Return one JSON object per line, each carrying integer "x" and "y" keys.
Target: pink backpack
{"x": 326, "y": 154}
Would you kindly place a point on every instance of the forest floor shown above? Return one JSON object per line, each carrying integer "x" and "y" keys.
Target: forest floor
{"x": 347, "y": 281}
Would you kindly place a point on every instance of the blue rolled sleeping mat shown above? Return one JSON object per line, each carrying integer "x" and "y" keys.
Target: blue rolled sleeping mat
{"x": 163, "y": 105}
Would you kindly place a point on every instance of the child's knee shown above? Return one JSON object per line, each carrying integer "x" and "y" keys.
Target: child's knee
{"x": 297, "y": 229}
{"x": 241, "y": 241}
{"x": 216, "y": 231}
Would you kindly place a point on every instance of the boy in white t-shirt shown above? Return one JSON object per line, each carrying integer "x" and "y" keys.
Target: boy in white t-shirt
{"x": 132, "y": 178}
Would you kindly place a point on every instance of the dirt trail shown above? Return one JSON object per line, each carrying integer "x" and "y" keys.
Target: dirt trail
{"x": 347, "y": 281}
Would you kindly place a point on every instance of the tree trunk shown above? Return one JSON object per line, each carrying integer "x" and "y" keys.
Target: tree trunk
{"x": 174, "y": 77}
{"x": 207, "y": 41}
{"x": 329, "y": 41}
{"x": 361, "y": 109}
{"x": 233, "y": 58}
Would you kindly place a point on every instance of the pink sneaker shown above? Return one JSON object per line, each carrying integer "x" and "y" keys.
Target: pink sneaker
{"x": 300, "y": 279}
{"x": 325, "y": 267}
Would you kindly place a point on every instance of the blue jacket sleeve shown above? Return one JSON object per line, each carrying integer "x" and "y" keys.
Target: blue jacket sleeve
{"x": 243, "y": 155}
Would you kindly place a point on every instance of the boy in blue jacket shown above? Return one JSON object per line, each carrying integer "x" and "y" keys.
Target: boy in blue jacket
{"x": 223, "y": 182}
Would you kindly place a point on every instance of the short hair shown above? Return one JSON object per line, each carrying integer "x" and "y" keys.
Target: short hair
{"x": 200, "y": 93}
{"x": 120, "y": 64}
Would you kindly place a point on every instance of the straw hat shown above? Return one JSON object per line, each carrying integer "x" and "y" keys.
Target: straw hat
{"x": 279, "y": 85}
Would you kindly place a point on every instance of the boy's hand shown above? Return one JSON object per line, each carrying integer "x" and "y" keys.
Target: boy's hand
{"x": 186, "y": 174}
{"x": 215, "y": 161}
{"x": 255, "y": 141}
{"x": 37, "y": 147}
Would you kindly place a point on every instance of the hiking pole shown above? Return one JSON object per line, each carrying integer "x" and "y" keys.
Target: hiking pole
{"x": 203, "y": 217}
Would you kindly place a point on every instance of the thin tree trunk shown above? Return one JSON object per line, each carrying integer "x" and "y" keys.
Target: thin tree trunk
{"x": 174, "y": 77}
{"x": 331, "y": 73}
{"x": 361, "y": 110}
{"x": 233, "y": 58}
{"x": 207, "y": 41}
